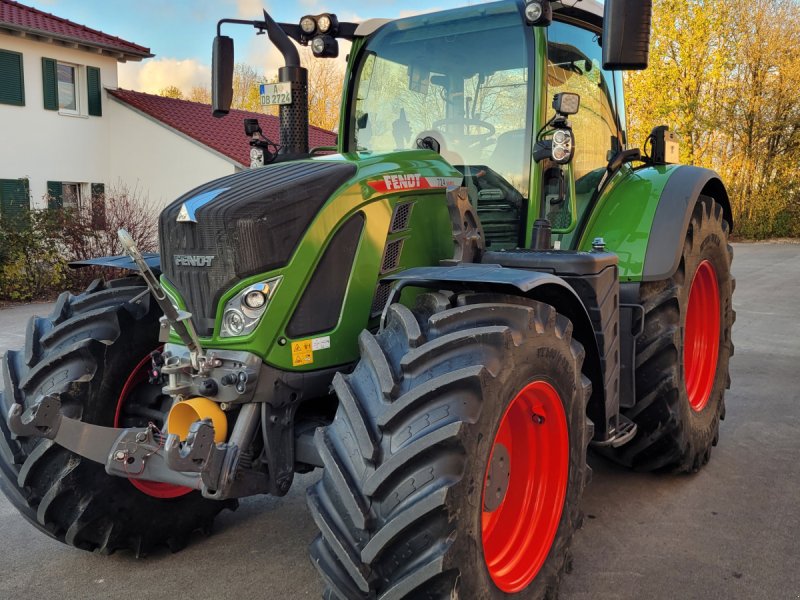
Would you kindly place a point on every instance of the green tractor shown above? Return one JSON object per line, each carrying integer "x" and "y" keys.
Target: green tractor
{"x": 443, "y": 312}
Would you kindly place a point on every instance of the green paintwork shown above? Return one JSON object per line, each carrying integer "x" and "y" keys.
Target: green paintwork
{"x": 432, "y": 242}
{"x": 541, "y": 104}
{"x": 624, "y": 216}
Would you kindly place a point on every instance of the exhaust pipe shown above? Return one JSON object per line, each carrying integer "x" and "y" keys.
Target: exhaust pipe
{"x": 294, "y": 116}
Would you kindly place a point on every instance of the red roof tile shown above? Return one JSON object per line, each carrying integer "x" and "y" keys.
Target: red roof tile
{"x": 225, "y": 135}
{"x": 14, "y": 15}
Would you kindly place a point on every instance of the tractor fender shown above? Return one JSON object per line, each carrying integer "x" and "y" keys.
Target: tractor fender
{"x": 119, "y": 262}
{"x": 490, "y": 277}
{"x": 544, "y": 287}
{"x": 643, "y": 216}
{"x": 671, "y": 221}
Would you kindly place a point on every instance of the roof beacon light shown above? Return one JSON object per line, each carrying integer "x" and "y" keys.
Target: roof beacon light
{"x": 538, "y": 13}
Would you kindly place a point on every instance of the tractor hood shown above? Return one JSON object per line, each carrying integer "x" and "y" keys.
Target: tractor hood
{"x": 240, "y": 226}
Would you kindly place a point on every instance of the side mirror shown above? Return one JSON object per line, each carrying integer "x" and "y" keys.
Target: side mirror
{"x": 222, "y": 75}
{"x": 626, "y": 34}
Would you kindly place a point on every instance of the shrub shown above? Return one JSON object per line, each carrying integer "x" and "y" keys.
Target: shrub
{"x": 35, "y": 248}
{"x": 33, "y": 264}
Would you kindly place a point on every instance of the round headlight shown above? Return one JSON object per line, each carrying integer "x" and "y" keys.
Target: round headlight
{"x": 318, "y": 45}
{"x": 234, "y": 321}
{"x": 560, "y": 137}
{"x": 255, "y": 300}
{"x": 308, "y": 25}
{"x": 324, "y": 23}
{"x": 533, "y": 12}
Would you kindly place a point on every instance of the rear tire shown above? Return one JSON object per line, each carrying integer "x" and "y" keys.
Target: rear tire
{"x": 403, "y": 505}
{"x": 86, "y": 351}
{"x": 682, "y": 357}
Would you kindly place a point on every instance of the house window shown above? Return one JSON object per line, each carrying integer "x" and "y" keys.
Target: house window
{"x": 85, "y": 200}
{"x": 71, "y": 195}
{"x": 67, "y": 88}
{"x": 12, "y": 84}
{"x": 72, "y": 89}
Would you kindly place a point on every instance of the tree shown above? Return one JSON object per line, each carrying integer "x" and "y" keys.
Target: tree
{"x": 200, "y": 94}
{"x": 325, "y": 79}
{"x": 172, "y": 91}
{"x": 246, "y": 82}
{"x": 719, "y": 80}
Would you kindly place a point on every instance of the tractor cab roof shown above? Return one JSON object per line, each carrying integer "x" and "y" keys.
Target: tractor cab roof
{"x": 590, "y": 11}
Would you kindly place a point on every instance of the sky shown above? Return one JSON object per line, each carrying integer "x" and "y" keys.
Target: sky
{"x": 180, "y": 32}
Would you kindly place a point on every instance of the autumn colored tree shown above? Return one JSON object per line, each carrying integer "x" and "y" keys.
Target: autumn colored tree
{"x": 172, "y": 91}
{"x": 726, "y": 80}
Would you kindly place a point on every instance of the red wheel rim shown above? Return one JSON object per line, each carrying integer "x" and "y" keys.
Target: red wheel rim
{"x": 518, "y": 534}
{"x": 701, "y": 338}
{"x": 155, "y": 489}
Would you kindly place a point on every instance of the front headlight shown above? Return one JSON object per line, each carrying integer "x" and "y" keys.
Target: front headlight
{"x": 244, "y": 311}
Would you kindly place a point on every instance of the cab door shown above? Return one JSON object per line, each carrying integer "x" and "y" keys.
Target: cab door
{"x": 574, "y": 64}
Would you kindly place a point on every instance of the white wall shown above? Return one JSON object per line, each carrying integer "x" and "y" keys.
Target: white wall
{"x": 44, "y": 145}
{"x": 122, "y": 146}
{"x": 157, "y": 160}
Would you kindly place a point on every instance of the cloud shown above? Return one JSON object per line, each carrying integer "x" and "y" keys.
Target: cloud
{"x": 262, "y": 55}
{"x": 251, "y": 9}
{"x": 155, "y": 74}
{"x": 413, "y": 13}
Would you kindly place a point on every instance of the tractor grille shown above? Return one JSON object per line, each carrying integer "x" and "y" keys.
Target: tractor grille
{"x": 381, "y": 298}
{"x": 245, "y": 224}
{"x": 391, "y": 256}
{"x": 402, "y": 217}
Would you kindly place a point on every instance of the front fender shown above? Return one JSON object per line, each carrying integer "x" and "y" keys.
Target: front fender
{"x": 124, "y": 262}
{"x": 644, "y": 214}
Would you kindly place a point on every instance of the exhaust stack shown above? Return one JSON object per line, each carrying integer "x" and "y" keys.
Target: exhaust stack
{"x": 294, "y": 116}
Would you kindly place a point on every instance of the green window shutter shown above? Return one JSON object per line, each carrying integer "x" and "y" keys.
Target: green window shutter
{"x": 50, "y": 83}
{"x": 14, "y": 199}
{"x": 94, "y": 91}
{"x": 55, "y": 195}
{"x": 98, "y": 206}
{"x": 12, "y": 81}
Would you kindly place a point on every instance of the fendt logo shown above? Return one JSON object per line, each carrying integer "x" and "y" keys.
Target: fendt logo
{"x": 193, "y": 261}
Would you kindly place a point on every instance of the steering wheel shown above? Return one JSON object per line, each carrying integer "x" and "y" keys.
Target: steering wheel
{"x": 470, "y": 139}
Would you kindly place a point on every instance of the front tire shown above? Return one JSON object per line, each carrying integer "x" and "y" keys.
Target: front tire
{"x": 457, "y": 459}
{"x": 87, "y": 351}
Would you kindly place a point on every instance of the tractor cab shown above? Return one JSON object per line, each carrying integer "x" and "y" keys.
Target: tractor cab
{"x": 459, "y": 83}
{"x": 476, "y": 85}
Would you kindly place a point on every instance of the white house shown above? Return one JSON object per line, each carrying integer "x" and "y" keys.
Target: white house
{"x": 67, "y": 132}
{"x": 54, "y": 125}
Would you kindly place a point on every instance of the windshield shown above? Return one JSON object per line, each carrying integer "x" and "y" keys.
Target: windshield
{"x": 459, "y": 77}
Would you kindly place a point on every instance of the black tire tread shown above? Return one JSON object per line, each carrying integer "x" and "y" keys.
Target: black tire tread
{"x": 392, "y": 454}
{"x": 64, "y": 495}
{"x": 664, "y": 441}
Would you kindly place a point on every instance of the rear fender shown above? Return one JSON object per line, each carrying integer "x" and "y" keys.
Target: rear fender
{"x": 644, "y": 214}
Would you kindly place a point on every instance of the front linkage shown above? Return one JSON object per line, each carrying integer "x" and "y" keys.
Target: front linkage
{"x": 147, "y": 453}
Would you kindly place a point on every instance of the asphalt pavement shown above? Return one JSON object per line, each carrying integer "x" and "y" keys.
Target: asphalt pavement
{"x": 731, "y": 531}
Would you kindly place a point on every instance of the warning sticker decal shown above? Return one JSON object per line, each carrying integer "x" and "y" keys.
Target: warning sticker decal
{"x": 302, "y": 353}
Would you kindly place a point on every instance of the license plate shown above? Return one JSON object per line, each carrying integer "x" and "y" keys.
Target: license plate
{"x": 276, "y": 94}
